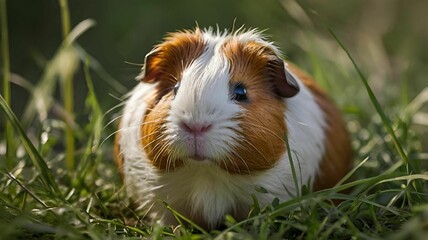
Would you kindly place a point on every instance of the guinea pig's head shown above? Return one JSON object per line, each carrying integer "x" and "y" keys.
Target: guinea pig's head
{"x": 219, "y": 98}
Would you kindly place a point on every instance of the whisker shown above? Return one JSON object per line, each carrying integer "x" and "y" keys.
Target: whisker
{"x": 109, "y": 136}
{"x": 112, "y": 121}
{"x": 150, "y": 143}
{"x": 255, "y": 148}
{"x": 117, "y": 131}
{"x": 244, "y": 162}
{"x": 118, "y": 98}
{"x": 173, "y": 77}
{"x": 130, "y": 127}
{"x": 272, "y": 133}
{"x": 147, "y": 135}
{"x": 114, "y": 107}
{"x": 165, "y": 91}
{"x": 173, "y": 155}
{"x": 169, "y": 159}
{"x": 224, "y": 161}
{"x": 160, "y": 152}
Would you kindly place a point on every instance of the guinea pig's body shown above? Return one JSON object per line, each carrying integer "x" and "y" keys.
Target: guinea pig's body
{"x": 208, "y": 125}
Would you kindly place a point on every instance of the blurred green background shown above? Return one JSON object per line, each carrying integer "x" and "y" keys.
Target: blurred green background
{"x": 388, "y": 38}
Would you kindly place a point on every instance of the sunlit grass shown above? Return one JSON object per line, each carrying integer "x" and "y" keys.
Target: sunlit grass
{"x": 41, "y": 198}
{"x": 68, "y": 91}
{"x": 5, "y": 59}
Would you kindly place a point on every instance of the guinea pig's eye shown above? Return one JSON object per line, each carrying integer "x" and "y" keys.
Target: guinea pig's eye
{"x": 176, "y": 87}
{"x": 239, "y": 93}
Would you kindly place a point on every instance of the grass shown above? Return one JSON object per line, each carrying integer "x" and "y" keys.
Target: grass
{"x": 6, "y": 78}
{"x": 68, "y": 92}
{"x": 45, "y": 195}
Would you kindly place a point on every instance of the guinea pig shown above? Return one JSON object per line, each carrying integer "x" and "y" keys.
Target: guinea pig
{"x": 208, "y": 125}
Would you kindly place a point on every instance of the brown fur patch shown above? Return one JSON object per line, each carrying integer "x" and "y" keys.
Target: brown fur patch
{"x": 264, "y": 111}
{"x": 153, "y": 139}
{"x": 167, "y": 60}
{"x": 337, "y": 159}
{"x": 165, "y": 65}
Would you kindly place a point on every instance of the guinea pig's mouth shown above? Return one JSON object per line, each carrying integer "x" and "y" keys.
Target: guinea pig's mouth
{"x": 199, "y": 158}
{"x": 195, "y": 149}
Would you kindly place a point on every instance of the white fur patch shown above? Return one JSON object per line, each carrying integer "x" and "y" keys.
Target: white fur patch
{"x": 202, "y": 190}
{"x": 306, "y": 122}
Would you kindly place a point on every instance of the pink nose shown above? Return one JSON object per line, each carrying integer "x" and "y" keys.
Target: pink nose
{"x": 195, "y": 128}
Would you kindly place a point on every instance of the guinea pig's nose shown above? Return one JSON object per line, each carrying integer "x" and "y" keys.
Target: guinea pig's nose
{"x": 196, "y": 129}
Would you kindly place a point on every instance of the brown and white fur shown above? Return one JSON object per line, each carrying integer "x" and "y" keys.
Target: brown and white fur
{"x": 205, "y": 153}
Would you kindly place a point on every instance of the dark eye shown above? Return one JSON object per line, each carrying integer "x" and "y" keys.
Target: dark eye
{"x": 176, "y": 87}
{"x": 239, "y": 93}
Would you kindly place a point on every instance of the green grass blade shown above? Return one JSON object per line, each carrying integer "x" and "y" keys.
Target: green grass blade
{"x": 293, "y": 169}
{"x": 68, "y": 92}
{"x": 407, "y": 178}
{"x": 65, "y": 18}
{"x": 95, "y": 129}
{"x": 27, "y": 190}
{"x": 375, "y": 102}
{"x": 42, "y": 95}
{"x": 92, "y": 101}
{"x": 67, "y": 78}
{"x": 100, "y": 71}
{"x": 45, "y": 173}
{"x": 135, "y": 229}
{"x": 180, "y": 216}
{"x": 10, "y": 148}
{"x": 350, "y": 173}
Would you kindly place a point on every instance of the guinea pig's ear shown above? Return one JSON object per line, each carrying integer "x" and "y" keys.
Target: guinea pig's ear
{"x": 152, "y": 69}
{"x": 285, "y": 84}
